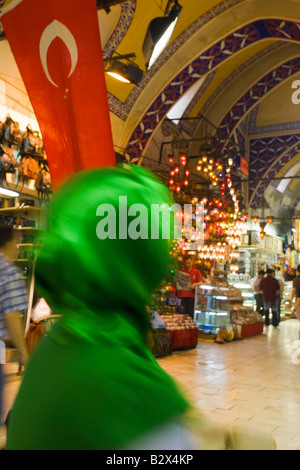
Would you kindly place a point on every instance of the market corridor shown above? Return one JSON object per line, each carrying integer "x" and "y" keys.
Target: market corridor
{"x": 252, "y": 383}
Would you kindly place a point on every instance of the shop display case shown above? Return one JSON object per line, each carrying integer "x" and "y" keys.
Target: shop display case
{"x": 222, "y": 307}
{"x": 212, "y": 308}
{"x": 183, "y": 331}
{"x": 243, "y": 283}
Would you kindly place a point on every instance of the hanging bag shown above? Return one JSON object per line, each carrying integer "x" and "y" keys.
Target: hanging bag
{"x": 12, "y": 131}
{"x": 43, "y": 181}
{"x": 32, "y": 142}
{"x": 28, "y": 168}
{"x": 8, "y": 163}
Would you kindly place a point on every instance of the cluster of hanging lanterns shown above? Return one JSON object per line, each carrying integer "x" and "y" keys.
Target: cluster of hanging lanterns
{"x": 262, "y": 224}
{"x": 216, "y": 252}
{"x": 223, "y": 223}
{"x": 179, "y": 174}
{"x": 210, "y": 169}
{"x": 234, "y": 233}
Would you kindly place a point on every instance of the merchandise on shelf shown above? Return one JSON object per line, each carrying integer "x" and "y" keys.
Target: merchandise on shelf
{"x": 242, "y": 315}
{"x": 23, "y": 158}
{"x": 243, "y": 283}
{"x": 179, "y": 322}
{"x": 180, "y": 329}
{"x": 219, "y": 308}
{"x": 286, "y": 309}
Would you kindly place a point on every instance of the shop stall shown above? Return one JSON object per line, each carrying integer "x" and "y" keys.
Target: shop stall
{"x": 259, "y": 253}
{"x": 166, "y": 313}
{"x": 220, "y": 307}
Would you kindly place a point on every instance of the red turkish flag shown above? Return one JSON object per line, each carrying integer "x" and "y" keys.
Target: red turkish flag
{"x": 57, "y": 47}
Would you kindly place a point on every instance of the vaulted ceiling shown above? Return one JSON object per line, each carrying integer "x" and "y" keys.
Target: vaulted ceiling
{"x": 229, "y": 65}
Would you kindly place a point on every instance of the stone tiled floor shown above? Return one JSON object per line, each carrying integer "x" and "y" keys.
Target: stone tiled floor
{"x": 253, "y": 383}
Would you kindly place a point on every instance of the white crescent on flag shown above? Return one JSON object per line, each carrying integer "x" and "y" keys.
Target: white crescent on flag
{"x": 52, "y": 31}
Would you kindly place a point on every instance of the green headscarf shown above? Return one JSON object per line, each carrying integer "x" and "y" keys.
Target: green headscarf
{"x": 92, "y": 383}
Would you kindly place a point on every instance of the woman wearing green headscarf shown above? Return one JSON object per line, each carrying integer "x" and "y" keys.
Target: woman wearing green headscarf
{"x": 92, "y": 383}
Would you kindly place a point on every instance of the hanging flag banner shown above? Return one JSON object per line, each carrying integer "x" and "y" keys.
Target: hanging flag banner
{"x": 57, "y": 47}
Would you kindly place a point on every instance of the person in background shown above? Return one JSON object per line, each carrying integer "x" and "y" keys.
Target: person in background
{"x": 258, "y": 292}
{"x": 289, "y": 274}
{"x": 296, "y": 290}
{"x": 187, "y": 297}
{"x": 278, "y": 275}
{"x": 13, "y": 299}
{"x": 270, "y": 288}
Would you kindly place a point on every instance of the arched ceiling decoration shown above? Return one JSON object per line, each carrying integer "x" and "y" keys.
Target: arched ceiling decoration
{"x": 270, "y": 155}
{"x": 285, "y": 193}
{"x": 222, "y": 79}
{"x": 273, "y": 133}
{"x": 239, "y": 55}
{"x": 206, "y": 62}
{"x": 263, "y": 86}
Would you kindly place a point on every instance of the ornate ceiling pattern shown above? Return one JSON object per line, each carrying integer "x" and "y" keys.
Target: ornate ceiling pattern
{"x": 254, "y": 95}
{"x": 206, "y": 62}
{"x": 239, "y": 52}
{"x": 268, "y": 156}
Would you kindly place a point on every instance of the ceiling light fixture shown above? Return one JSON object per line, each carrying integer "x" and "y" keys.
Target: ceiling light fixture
{"x": 8, "y": 193}
{"x": 126, "y": 72}
{"x": 159, "y": 33}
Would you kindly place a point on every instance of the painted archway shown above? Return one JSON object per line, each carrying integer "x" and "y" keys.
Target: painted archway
{"x": 206, "y": 62}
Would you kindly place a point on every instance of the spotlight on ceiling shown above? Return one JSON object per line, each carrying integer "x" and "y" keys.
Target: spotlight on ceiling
{"x": 127, "y": 72}
{"x": 159, "y": 32}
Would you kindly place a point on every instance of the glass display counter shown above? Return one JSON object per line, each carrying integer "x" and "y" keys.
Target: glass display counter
{"x": 213, "y": 307}
{"x": 244, "y": 284}
{"x": 222, "y": 307}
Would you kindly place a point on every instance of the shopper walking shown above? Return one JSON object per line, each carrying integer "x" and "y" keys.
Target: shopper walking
{"x": 258, "y": 295}
{"x": 277, "y": 274}
{"x": 187, "y": 297}
{"x": 270, "y": 288}
{"x": 13, "y": 300}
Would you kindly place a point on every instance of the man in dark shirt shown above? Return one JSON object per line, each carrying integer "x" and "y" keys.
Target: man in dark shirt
{"x": 270, "y": 288}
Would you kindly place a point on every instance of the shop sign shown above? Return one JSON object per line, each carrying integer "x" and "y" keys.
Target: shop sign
{"x": 243, "y": 166}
